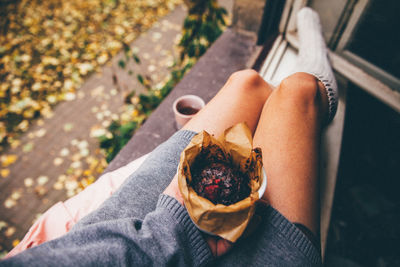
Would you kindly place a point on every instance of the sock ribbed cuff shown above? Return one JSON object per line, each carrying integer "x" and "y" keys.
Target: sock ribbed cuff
{"x": 331, "y": 93}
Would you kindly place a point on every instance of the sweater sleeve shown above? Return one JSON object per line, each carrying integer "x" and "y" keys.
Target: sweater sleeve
{"x": 166, "y": 237}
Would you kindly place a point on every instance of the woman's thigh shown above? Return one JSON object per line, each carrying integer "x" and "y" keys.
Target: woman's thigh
{"x": 289, "y": 134}
{"x": 241, "y": 99}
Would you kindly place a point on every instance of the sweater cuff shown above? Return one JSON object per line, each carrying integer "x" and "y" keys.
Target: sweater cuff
{"x": 186, "y": 135}
{"x": 199, "y": 249}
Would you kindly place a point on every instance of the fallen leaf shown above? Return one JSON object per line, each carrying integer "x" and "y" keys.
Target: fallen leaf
{"x": 98, "y": 91}
{"x": 83, "y": 144}
{"x": 58, "y": 186}
{"x": 97, "y": 131}
{"x": 15, "y": 242}
{"x": 3, "y": 224}
{"x": 64, "y": 152}
{"x": 7, "y": 160}
{"x": 69, "y": 96}
{"x": 76, "y": 164}
{"x": 10, "y": 231}
{"x": 28, "y": 182}
{"x": 41, "y": 132}
{"x": 74, "y": 142}
{"x": 28, "y": 147}
{"x": 71, "y": 185}
{"x": 70, "y": 193}
{"x": 40, "y": 190}
{"x": 62, "y": 178}
{"x": 156, "y": 36}
{"x": 23, "y": 126}
{"x": 68, "y": 127}
{"x": 106, "y": 123}
{"x": 58, "y": 161}
{"x": 85, "y": 68}
{"x": 146, "y": 56}
{"x": 81, "y": 95}
{"x": 99, "y": 116}
{"x": 9, "y": 203}
{"x": 113, "y": 92}
{"x": 76, "y": 157}
{"x": 84, "y": 152}
{"x": 5, "y": 172}
{"x": 41, "y": 180}
{"x": 15, "y": 144}
{"x": 16, "y": 195}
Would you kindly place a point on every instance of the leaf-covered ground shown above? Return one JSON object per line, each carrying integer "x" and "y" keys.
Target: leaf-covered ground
{"x": 48, "y": 47}
{"x": 46, "y": 53}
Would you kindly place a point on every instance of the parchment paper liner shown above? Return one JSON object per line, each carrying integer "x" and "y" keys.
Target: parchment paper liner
{"x": 228, "y": 222}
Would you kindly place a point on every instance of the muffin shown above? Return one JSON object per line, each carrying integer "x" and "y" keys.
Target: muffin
{"x": 219, "y": 182}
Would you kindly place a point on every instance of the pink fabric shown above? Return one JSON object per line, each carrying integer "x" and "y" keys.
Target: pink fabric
{"x": 59, "y": 219}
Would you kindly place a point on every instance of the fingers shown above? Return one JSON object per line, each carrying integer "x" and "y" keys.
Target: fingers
{"x": 212, "y": 243}
{"x": 223, "y": 246}
{"x": 218, "y": 245}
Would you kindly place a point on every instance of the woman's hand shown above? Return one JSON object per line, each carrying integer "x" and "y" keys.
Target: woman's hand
{"x": 218, "y": 246}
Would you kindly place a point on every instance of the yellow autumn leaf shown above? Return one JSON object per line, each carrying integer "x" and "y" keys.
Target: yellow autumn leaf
{"x": 7, "y": 160}
{"x": 4, "y": 172}
{"x": 23, "y": 126}
{"x": 15, "y": 242}
{"x": 28, "y": 113}
{"x": 87, "y": 172}
{"x": 15, "y": 144}
{"x": 135, "y": 113}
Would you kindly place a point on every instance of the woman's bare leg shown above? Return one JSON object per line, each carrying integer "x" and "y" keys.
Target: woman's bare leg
{"x": 290, "y": 127}
{"x": 289, "y": 133}
{"x": 241, "y": 99}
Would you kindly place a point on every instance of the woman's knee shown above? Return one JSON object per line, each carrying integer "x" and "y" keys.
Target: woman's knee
{"x": 247, "y": 80}
{"x": 301, "y": 87}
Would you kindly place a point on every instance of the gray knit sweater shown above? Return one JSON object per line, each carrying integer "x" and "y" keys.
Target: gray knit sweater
{"x": 166, "y": 237}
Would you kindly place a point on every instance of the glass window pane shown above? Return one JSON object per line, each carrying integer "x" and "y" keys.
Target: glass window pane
{"x": 377, "y": 35}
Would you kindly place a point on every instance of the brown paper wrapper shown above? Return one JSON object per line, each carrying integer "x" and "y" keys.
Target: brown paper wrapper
{"x": 228, "y": 222}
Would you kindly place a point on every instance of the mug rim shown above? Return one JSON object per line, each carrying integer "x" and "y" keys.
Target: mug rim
{"x": 195, "y": 97}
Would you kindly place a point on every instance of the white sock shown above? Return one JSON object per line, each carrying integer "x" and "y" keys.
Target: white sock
{"x": 313, "y": 55}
